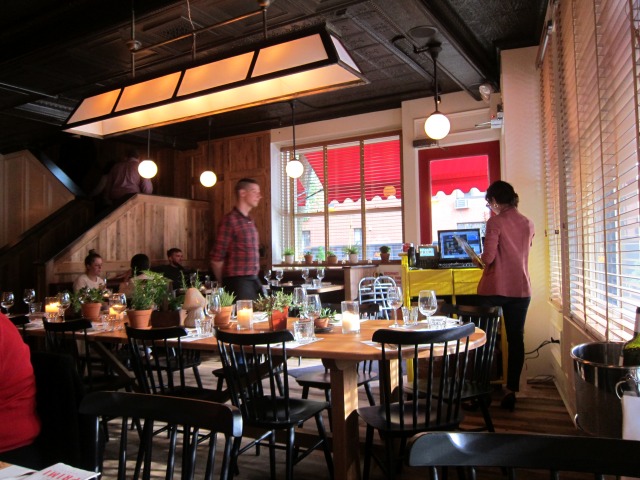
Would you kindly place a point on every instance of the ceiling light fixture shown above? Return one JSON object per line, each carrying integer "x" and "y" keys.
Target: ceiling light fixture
{"x": 302, "y": 63}
{"x": 437, "y": 126}
{"x": 148, "y": 168}
{"x": 208, "y": 178}
{"x": 294, "y": 168}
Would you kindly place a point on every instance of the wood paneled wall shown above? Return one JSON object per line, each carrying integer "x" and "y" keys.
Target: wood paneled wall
{"x": 28, "y": 194}
{"x": 148, "y": 224}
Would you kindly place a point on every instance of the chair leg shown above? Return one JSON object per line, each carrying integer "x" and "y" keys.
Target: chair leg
{"x": 305, "y": 392}
{"x": 325, "y": 444}
{"x": 368, "y": 445}
{"x": 389, "y": 459}
{"x": 484, "y": 408}
{"x": 196, "y": 374}
{"x": 291, "y": 435}
{"x": 367, "y": 390}
{"x": 272, "y": 455}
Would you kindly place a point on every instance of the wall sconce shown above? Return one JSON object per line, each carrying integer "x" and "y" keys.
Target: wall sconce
{"x": 148, "y": 168}
{"x": 302, "y": 63}
{"x": 437, "y": 126}
{"x": 294, "y": 168}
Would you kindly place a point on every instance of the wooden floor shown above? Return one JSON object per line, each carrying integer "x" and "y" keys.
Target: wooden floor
{"x": 539, "y": 409}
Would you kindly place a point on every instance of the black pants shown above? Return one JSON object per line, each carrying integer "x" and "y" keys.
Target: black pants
{"x": 514, "y": 311}
{"x": 246, "y": 287}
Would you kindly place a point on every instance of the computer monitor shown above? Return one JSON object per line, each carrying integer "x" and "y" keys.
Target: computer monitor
{"x": 450, "y": 251}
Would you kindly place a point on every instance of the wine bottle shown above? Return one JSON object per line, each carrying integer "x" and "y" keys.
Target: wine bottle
{"x": 631, "y": 349}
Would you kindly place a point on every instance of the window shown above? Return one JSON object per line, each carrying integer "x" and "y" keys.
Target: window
{"x": 349, "y": 194}
{"x": 589, "y": 94}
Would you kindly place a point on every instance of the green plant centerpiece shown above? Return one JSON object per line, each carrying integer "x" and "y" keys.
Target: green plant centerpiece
{"x": 276, "y": 306}
{"x": 326, "y": 317}
{"x": 149, "y": 292}
{"x": 223, "y": 317}
{"x": 88, "y": 302}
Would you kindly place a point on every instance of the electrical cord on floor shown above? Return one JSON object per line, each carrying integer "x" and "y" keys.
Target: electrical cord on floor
{"x": 537, "y": 350}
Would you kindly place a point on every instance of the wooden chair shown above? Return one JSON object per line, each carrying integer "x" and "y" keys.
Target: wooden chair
{"x": 254, "y": 364}
{"x": 158, "y": 357}
{"x": 515, "y": 451}
{"x": 187, "y": 419}
{"x": 477, "y": 386}
{"x": 95, "y": 365}
{"x": 398, "y": 418}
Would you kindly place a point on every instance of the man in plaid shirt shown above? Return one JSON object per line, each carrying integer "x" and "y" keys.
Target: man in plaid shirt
{"x": 235, "y": 257}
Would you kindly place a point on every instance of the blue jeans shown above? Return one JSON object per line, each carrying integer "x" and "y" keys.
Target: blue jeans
{"x": 514, "y": 311}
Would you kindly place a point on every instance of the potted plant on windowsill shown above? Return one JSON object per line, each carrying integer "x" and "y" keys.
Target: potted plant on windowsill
{"x": 149, "y": 292}
{"x": 352, "y": 251}
{"x": 332, "y": 258}
{"x": 88, "y": 301}
{"x": 385, "y": 253}
{"x": 308, "y": 257}
{"x": 288, "y": 253}
{"x": 276, "y": 307}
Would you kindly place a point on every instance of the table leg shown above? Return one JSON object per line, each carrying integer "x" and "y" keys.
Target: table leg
{"x": 344, "y": 402}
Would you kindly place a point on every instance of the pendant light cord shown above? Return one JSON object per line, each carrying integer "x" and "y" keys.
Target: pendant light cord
{"x": 435, "y": 50}
{"x": 293, "y": 124}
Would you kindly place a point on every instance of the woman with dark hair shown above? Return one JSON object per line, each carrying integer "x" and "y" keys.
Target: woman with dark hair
{"x": 92, "y": 278}
{"x": 505, "y": 279}
{"x": 139, "y": 263}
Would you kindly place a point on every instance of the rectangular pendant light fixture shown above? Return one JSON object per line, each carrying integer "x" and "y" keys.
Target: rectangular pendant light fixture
{"x": 278, "y": 69}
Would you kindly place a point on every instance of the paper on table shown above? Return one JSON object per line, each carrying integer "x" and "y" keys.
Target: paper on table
{"x": 14, "y": 471}
{"x": 59, "y": 470}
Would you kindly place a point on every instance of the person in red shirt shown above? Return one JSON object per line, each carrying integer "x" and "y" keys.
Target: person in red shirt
{"x": 235, "y": 258}
{"x": 19, "y": 422}
{"x": 505, "y": 279}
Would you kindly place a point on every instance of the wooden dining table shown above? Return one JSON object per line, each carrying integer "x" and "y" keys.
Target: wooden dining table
{"x": 340, "y": 353}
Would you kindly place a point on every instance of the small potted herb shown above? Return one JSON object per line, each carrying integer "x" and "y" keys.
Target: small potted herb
{"x": 308, "y": 257}
{"x": 227, "y": 299}
{"x": 149, "y": 293}
{"x": 385, "y": 253}
{"x": 89, "y": 302}
{"x": 332, "y": 258}
{"x": 276, "y": 307}
{"x": 288, "y": 253}
{"x": 352, "y": 251}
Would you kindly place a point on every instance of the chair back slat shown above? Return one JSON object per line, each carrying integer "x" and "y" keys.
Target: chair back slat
{"x": 70, "y": 338}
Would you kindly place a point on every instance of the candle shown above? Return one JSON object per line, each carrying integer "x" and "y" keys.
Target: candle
{"x": 52, "y": 308}
{"x": 245, "y": 316}
{"x": 350, "y": 322}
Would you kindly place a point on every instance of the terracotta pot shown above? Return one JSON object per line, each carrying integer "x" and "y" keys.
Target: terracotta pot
{"x": 333, "y": 259}
{"x": 139, "y": 318}
{"x": 308, "y": 259}
{"x": 321, "y": 322}
{"x": 384, "y": 257}
{"x": 91, "y": 311}
{"x": 278, "y": 319}
{"x": 165, "y": 319}
{"x": 224, "y": 317}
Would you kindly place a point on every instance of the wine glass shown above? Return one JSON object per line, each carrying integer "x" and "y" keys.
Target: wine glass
{"x": 118, "y": 302}
{"x": 305, "y": 275}
{"x": 6, "y": 301}
{"x": 213, "y": 305}
{"x": 279, "y": 275}
{"x": 299, "y": 300}
{"x": 320, "y": 274}
{"x": 267, "y": 277}
{"x": 427, "y": 303}
{"x": 313, "y": 307}
{"x": 64, "y": 301}
{"x": 29, "y": 296}
{"x": 395, "y": 301}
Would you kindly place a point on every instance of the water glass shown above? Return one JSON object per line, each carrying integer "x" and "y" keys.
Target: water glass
{"x": 303, "y": 331}
{"x": 6, "y": 301}
{"x": 35, "y": 307}
{"x": 204, "y": 327}
{"x": 350, "y": 317}
{"x": 414, "y": 315}
{"x": 244, "y": 312}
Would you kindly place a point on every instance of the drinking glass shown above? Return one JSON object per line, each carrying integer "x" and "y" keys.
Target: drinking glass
{"x": 6, "y": 301}
{"x": 395, "y": 301}
{"x": 299, "y": 300}
{"x": 213, "y": 305}
{"x": 279, "y": 275}
{"x": 267, "y": 277}
{"x": 64, "y": 301}
{"x": 305, "y": 275}
{"x": 29, "y": 296}
{"x": 427, "y": 303}
{"x": 313, "y": 306}
{"x": 320, "y": 274}
{"x": 118, "y": 302}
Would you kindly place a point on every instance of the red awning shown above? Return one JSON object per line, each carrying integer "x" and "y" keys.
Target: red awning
{"x": 381, "y": 171}
{"x": 461, "y": 173}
